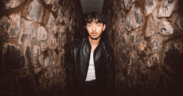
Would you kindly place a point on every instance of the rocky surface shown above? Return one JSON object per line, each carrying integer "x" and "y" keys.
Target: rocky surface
{"x": 146, "y": 36}
{"x": 34, "y": 35}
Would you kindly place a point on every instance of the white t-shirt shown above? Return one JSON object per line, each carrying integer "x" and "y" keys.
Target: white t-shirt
{"x": 91, "y": 69}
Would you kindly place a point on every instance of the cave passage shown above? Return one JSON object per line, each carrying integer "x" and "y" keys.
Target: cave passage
{"x": 146, "y": 36}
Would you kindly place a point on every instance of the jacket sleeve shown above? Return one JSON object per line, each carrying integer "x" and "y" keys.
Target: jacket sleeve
{"x": 70, "y": 71}
{"x": 110, "y": 75}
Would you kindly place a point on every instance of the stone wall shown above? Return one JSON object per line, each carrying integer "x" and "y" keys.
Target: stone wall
{"x": 147, "y": 39}
{"x": 33, "y": 39}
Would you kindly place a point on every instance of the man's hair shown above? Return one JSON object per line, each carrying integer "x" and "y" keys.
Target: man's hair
{"x": 95, "y": 15}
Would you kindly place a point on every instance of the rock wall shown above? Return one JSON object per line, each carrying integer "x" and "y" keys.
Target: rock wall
{"x": 33, "y": 39}
{"x": 147, "y": 39}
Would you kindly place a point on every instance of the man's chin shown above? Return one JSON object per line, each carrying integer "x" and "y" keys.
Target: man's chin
{"x": 94, "y": 38}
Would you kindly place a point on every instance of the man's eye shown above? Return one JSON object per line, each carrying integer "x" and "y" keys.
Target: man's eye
{"x": 89, "y": 25}
{"x": 98, "y": 25}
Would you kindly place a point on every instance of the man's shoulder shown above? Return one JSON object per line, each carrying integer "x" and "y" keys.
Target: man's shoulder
{"x": 76, "y": 42}
{"x": 107, "y": 47}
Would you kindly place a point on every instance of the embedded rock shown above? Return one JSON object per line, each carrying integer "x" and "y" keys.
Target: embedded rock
{"x": 15, "y": 25}
{"x": 43, "y": 46}
{"x": 41, "y": 33}
{"x": 34, "y": 11}
{"x": 55, "y": 4}
{"x": 22, "y": 37}
{"x": 126, "y": 55}
{"x": 52, "y": 42}
{"x": 62, "y": 29}
{"x": 150, "y": 28}
{"x": 4, "y": 25}
{"x": 50, "y": 21}
{"x": 59, "y": 20}
{"x": 128, "y": 3}
{"x": 166, "y": 9}
{"x": 124, "y": 39}
{"x": 153, "y": 60}
{"x": 48, "y": 1}
{"x": 35, "y": 56}
{"x": 154, "y": 43}
{"x": 137, "y": 17}
{"x": 166, "y": 28}
{"x": 150, "y": 5}
{"x": 128, "y": 22}
{"x": 30, "y": 27}
{"x": 13, "y": 3}
{"x": 61, "y": 11}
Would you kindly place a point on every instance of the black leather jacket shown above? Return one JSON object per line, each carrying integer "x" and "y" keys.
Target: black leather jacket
{"x": 77, "y": 61}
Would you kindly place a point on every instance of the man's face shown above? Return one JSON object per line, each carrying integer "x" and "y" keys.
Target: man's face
{"x": 95, "y": 29}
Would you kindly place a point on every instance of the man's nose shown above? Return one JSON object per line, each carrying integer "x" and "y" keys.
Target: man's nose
{"x": 94, "y": 28}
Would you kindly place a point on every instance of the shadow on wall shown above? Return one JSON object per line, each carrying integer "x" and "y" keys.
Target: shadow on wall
{"x": 147, "y": 38}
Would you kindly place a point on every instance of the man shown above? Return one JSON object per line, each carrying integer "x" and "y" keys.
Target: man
{"x": 89, "y": 65}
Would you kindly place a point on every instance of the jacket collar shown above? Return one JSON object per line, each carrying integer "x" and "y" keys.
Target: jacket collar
{"x": 97, "y": 48}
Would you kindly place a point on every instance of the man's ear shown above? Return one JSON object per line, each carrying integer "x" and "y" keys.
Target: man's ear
{"x": 104, "y": 27}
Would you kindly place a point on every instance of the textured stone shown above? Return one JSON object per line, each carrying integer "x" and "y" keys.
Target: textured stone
{"x": 4, "y": 25}
{"x": 124, "y": 39}
{"x": 44, "y": 46}
{"x": 61, "y": 11}
{"x": 47, "y": 1}
{"x": 47, "y": 58}
{"x": 128, "y": 22}
{"x": 133, "y": 37}
{"x": 22, "y": 37}
{"x": 134, "y": 18}
{"x": 138, "y": 64}
{"x": 150, "y": 5}
{"x": 15, "y": 25}
{"x": 35, "y": 55}
{"x": 153, "y": 60}
{"x": 126, "y": 55}
{"x": 42, "y": 33}
{"x": 13, "y": 3}
{"x": 128, "y": 3}
{"x": 177, "y": 19}
{"x": 166, "y": 28}
{"x": 34, "y": 11}
{"x": 59, "y": 20}
{"x": 52, "y": 42}
{"x": 64, "y": 40}
{"x": 167, "y": 7}
{"x": 62, "y": 29}
{"x": 27, "y": 49}
{"x": 11, "y": 56}
{"x": 137, "y": 18}
{"x": 141, "y": 46}
{"x": 150, "y": 28}
{"x": 122, "y": 15}
{"x": 55, "y": 4}
{"x": 155, "y": 19}
{"x": 30, "y": 28}
{"x": 134, "y": 55}
{"x": 50, "y": 21}
{"x": 139, "y": 36}
{"x": 59, "y": 42}
{"x": 154, "y": 43}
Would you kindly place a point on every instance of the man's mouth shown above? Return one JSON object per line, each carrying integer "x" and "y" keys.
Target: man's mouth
{"x": 94, "y": 33}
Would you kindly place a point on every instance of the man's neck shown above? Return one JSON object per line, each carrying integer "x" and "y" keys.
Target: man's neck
{"x": 94, "y": 42}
